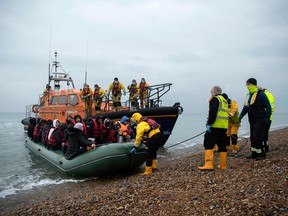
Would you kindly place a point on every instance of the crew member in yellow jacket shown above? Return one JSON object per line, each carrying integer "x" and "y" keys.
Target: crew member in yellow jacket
{"x": 153, "y": 140}
{"x": 234, "y": 123}
{"x": 98, "y": 95}
{"x": 143, "y": 91}
{"x": 116, "y": 88}
{"x": 217, "y": 125}
{"x": 133, "y": 94}
{"x": 86, "y": 95}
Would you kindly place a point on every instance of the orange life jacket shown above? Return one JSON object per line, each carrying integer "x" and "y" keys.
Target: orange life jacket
{"x": 123, "y": 130}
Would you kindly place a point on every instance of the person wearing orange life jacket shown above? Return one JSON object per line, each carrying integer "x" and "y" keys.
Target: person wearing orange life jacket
{"x": 86, "y": 95}
{"x": 124, "y": 130}
{"x": 133, "y": 94}
{"x": 98, "y": 95}
{"x": 217, "y": 125}
{"x": 268, "y": 122}
{"x": 233, "y": 124}
{"x": 258, "y": 107}
{"x": 55, "y": 136}
{"x": 154, "y": 141}
{"x": 143, "y": 91}
{"x": 116, "y": 88}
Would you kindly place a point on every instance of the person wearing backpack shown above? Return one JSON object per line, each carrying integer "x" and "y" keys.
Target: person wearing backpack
{"x": 151, "y": 129}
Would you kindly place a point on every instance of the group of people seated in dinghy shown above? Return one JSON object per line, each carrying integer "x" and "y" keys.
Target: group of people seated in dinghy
{"x": 75, "y": 135}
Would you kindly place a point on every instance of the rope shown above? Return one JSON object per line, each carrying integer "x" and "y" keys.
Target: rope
{"x": 186, "y": 140}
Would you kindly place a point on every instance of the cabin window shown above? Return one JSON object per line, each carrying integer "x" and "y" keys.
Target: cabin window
{"x": 42, "y": 103}
{"x": 73, "y": 99}
{"x": 54, "y": 100}
{"x": 62, "y": 99}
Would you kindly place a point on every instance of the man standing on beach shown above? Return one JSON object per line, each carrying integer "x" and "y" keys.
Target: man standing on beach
{"x": 258, "y": 107}
{"x": 217, "y": 125}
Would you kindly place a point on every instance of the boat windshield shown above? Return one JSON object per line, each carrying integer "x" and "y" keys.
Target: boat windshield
{"x": 73, "y": 99}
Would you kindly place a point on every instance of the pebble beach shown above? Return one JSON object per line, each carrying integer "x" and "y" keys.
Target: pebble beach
{"x": 247, "y": 187}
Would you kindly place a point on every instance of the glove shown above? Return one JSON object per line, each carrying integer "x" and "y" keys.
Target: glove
{"x": 124, "y": 93}
{"x": 240, "y": 118}
{"x": 133, "y": 151}
{"x": 208, "y": 128}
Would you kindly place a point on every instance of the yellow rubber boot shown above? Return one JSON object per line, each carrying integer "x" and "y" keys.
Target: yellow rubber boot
{"x": 208, "y": 160}
{"x": 235, "y": 148}
{"x": 223, "y": 161}
{"x": 154, "y": 165}
{"x": 147, "y": 171}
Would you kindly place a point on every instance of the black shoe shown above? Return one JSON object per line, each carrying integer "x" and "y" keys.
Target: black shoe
{"x": 251, "y": 156}
{"x": 260, "y": 158}
{"x": 266, "y": 148}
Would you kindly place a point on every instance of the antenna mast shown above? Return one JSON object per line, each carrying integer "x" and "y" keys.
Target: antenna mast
{"x": 86, "y": 62}
{"x": 49, "y": 67}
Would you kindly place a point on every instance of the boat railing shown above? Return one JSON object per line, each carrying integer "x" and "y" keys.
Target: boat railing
{"x": 31, "y": 109}
{"x": 155, "y": 93}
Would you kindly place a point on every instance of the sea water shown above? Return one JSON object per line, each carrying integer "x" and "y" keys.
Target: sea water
{"x": 21, "y": 170}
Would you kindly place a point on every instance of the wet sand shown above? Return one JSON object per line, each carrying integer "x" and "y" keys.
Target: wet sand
{"x": 247, "y": 187}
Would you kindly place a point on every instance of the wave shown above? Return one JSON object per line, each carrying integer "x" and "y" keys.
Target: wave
{"x": 9, "y": 187}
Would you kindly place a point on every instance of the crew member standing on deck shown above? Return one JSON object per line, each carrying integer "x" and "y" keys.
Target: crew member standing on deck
{"x": 98, "y": 95}
{"x": 217, "y": 125}
{"x": 143, "y": 90}
{"x": 86, "y": 95}
{"x": 116, "y": 88}
{"x": 133, "y": 94}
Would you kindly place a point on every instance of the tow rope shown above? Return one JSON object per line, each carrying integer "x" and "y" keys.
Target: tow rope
{"x": 186, "y": 140}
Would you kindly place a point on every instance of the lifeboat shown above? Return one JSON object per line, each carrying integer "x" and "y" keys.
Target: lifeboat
{"x": 59, "y": 104}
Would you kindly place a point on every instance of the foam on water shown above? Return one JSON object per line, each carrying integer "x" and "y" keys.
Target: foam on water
{"x": 28, "y": 183}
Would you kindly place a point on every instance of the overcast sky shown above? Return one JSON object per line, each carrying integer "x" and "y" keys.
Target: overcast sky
{"x": 192, "y": 44}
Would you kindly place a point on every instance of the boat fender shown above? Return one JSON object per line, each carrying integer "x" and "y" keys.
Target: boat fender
{"x": 35, "y": 108}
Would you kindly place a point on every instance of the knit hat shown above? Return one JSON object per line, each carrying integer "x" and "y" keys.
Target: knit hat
{"x": 225, "y": 95}
{"x": 252, "y": 81}
{"x": 79, "y": 126}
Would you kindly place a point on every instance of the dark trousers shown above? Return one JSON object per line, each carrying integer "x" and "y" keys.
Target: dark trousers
{"x": 217, "y": 136}
{"x": 266, "y": 130}
{"x": 153, "y": 144}
{"x": 257, "y": 133}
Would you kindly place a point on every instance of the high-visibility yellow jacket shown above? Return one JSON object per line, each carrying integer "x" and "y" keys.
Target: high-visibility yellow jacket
{"x": 222, "y": 114}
